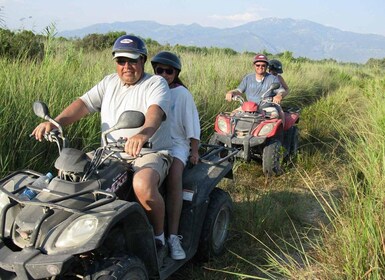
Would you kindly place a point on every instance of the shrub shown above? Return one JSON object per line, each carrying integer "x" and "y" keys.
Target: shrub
{"x": 98, "y": 41}
{"x": 21, "y": 44}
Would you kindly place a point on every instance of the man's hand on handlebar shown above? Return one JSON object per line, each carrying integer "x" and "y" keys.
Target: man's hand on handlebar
{"x": 135, "y": 144}
{"x": 277, "y": 99}
{"x": 41, "y": 130}
{"x": 230, "y": 95}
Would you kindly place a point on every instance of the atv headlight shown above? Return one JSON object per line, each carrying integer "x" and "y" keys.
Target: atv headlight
{"x": 266, "y": 129}
{"x": 222, "y": 125}
{"x": 78, "y": 232}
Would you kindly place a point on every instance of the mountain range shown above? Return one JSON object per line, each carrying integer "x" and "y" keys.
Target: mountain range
{"x": 303, "y": 38}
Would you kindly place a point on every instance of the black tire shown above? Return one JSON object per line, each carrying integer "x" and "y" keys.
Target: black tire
{"x": 294, "y": 143}
{"x": 121, "y": 268}
{"x": 215, "y": 228}
{"x": 291, "y": 144}
{"x": 271, "y": 158}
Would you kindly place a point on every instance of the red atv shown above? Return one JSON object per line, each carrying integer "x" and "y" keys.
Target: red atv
{"x": 260, "y": 131}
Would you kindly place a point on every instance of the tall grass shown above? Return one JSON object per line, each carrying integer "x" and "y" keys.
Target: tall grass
{"x": 57, "y": 81}
{"x": 322, "y": 219}
{"x": 360, "y": 223}
{"x": 349, "y": 128}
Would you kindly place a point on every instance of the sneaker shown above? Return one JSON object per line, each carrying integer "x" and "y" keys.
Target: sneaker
{"x": 162, "y": 251}
{"x": 176, "y": 250}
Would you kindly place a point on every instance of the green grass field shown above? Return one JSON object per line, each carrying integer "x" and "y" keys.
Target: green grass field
{"x": 322, "y": 219}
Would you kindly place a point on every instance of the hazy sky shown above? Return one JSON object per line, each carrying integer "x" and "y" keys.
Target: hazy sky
{"x": 361, "y": 16}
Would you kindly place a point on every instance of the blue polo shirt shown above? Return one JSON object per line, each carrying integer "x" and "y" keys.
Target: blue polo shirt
{"x": 254, "y": 89}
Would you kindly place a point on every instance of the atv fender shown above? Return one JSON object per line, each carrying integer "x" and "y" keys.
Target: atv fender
{"x": 198, "y": 183}
{"x": 291, "y": 118}
{"x": 108, "y": 215}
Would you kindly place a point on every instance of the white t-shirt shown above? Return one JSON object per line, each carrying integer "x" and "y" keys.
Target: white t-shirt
{"x": 184, "y": 122}
{"x": 111, "y": 98}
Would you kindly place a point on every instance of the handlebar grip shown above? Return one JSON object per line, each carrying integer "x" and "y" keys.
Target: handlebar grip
{"x": 48, "y": 135}
{"x": 122, "y": 141}
{"x": 147, "y": 145}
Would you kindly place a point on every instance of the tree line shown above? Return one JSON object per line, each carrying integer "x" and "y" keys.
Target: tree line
{"x": 27, "y": 44}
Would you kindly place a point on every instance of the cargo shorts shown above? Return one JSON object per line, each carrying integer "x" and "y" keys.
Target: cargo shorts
{"x": 158, "y": 161}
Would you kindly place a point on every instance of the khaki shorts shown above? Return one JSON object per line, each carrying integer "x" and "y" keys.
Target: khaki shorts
{"x": 160, "y": 162}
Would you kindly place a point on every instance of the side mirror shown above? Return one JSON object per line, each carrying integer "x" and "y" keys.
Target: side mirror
{"x": 270, "y": 90}
{"x": 128, "y": 119}
{"x": 275, "y": 86}
{"x": 41, "y": 110}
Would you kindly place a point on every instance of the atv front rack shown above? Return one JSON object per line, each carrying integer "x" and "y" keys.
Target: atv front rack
{"x": 107, "y": 196}
{"x": 100, "y": 197}
{"x": 216, "y": 154}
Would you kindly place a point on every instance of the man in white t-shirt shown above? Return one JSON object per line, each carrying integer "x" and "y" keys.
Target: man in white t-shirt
{"x": 131, "y": 89}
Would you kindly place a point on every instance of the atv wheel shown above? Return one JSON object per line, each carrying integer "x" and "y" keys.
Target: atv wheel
{"x": 121, "y": 268}
{"x": 271, "y": 158}
{"x": 291, "y": 144}
{"x": 216, "y": 225}
{"x": 294, "y": 142}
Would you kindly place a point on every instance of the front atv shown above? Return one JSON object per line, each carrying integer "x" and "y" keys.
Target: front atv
{"x": 86, "y": 224}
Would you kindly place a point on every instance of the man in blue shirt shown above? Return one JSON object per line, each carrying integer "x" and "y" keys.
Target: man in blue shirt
{"x": 255, "y": 84}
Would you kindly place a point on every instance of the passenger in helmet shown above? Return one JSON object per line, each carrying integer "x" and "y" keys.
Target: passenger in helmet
{"x": 130, "y": 88}
{"x": 255, "y": 84}
{"x": 275, "y": 68}
{"x": 185, "y": 134}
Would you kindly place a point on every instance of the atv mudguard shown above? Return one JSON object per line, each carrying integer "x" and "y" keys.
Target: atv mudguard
{"x": 291, "y": 118}
{"x": 198, "y": 183}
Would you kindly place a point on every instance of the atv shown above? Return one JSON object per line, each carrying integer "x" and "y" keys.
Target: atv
{"x": 259, "y": 131}
{"x": 86, "y": 224}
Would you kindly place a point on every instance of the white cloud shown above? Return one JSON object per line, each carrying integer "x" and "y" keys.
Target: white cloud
{"x": 253, "y": 14}
{"x": 245, "y": 17}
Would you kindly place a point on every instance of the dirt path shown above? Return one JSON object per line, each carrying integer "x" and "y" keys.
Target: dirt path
{"x": 272, "y": 211}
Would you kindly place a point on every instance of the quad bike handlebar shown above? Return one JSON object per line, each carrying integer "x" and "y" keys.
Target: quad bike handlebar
{"x": 55, "y": 136}
{"x": 128, "y": 119}
{"x": 118, "y": 145}
{"x": 238, "y": 98}
{"x": 265, "y": 97}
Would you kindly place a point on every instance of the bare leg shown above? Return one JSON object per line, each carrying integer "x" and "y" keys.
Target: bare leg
{"x": 174, "y": 199}
{"x": 145, "y": 185}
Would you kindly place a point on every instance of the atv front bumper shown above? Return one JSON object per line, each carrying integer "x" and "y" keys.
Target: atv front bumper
{"x": 247, "y": 143}
{"x": 30, "y": 263}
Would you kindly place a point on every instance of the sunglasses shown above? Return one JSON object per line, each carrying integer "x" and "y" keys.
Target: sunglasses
{"x": 160, "y": 70}
{"x": 122, "y": 61}
{"x": 260, "y": 65}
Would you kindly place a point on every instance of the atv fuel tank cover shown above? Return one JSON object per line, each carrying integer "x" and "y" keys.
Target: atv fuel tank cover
{"x": 71, "y": 160}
